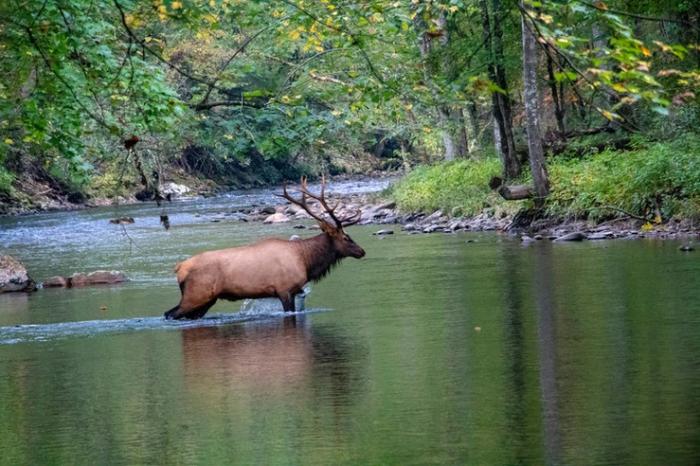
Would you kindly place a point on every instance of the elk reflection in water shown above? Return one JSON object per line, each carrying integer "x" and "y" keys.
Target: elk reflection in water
{"x": 271, "y": 357}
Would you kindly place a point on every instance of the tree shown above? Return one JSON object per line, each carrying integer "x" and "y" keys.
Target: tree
{"x": 532, "y": 113}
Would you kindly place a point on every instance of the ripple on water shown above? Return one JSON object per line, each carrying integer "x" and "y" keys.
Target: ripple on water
{"x": 31, "y": 333}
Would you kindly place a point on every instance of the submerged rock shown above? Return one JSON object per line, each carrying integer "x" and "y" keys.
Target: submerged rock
{"x": 687, "y": 248}
{"x": 383, "y": 232}
{"x": 13, "y": 276}
{"x": 122, "y": 220}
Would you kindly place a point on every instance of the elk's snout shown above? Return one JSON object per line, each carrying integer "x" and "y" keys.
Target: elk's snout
{"x": 358, "y": 252}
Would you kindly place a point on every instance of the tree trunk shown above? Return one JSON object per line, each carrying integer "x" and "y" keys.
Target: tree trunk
{"x": 532, "y": 118}
{"x": 473, "y": 114}
{"x": 447, "y": 139}
{"x": 502, "y": 81}
{"x": 557, "y": 97}
{"x": 501, "y": 108}
{"x": 460, "y": 121}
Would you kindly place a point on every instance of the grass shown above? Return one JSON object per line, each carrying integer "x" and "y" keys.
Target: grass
{"x": 596, "y": 186}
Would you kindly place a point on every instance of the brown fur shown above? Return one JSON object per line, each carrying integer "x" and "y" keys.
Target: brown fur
{"x": 268, "y": 268}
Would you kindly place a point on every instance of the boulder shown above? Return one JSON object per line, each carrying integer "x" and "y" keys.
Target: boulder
{"x": 387, "y": 205}
{"x": 268, "y": 210}
{"x": 301, "y": 214}
{"x": 173, "y": 189}
{"x": 99, "y": 277}
{"x": 687, "y": 248}
{"x": 437, "y": 215}
{"x": 598, "y": 235}
{"x": 432, "y": 228}
{"x": 276, "y": 218}
{"x": 56, "y": 282}
{"x": 13, "y": 276}
{"x": 573, "y": 236}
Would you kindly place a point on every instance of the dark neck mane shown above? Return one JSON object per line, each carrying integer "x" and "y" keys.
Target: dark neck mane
{"x": 319, "y": 255}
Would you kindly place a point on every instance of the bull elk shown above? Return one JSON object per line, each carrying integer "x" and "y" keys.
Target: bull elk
{"x": 268, "y": 268}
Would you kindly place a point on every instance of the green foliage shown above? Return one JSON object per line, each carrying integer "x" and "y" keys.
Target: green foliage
{"x": 596, "y": 186}
{"x": 6, "y": 179}
{"x": 460, "y": 186}
{"x": 635, "y": 181}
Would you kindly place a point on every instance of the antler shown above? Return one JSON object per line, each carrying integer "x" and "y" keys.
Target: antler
{"x": 300, "y": 202}
{"x": 321, "y": 198}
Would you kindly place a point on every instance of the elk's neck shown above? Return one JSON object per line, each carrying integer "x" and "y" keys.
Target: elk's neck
{"x": 319, "y": 256}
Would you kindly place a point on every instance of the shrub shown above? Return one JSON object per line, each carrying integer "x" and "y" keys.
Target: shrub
{"x": 461, "y": 186}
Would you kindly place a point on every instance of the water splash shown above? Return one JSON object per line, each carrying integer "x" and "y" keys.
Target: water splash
{"x": 11, "y": 335}
{"x": 274, "y": 304}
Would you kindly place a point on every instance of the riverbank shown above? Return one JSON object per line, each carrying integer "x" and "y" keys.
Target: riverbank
{"x": 651, "y": 189}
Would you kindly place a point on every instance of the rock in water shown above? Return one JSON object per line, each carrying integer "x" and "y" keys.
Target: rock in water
{"x": 122, "y": 220}
{"x": 383, "y": 232}
{"x": 575, "y": 236}
{"x": 99, "y": 277}
{"x": 56, "y": 282}
{"x": 687, "y": 248}
{"x": 13, "y": 276}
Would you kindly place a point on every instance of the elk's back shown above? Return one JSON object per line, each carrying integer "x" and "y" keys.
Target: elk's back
{"x": 257, "y": 270}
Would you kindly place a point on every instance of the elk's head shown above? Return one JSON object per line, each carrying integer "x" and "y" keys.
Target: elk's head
{"x": 330, "y": 222}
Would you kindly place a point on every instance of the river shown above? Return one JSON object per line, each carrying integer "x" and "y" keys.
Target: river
{"x": 466, "y": 348}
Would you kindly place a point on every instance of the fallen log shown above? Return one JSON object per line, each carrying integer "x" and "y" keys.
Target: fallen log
{"x": 511, "y": 193}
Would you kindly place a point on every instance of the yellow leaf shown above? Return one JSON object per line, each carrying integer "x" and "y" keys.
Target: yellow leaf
{"x": 647, "y": 227}
{"x": 295, "y": 34}
{"x": 9, "y": 141}
{"x": 646, "y": 52}
{"x": 176, "y": 5}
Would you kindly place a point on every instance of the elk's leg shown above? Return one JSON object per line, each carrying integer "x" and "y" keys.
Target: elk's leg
{"x": 199, "y": 312}
{"x": 287, "y": 302}
{"x": 185, "y": 310}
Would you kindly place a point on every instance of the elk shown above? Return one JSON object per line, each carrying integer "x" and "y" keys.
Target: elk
{"x": 269, "y": 268}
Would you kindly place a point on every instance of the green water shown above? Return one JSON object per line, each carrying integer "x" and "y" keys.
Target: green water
{"x": 435, "y": 349}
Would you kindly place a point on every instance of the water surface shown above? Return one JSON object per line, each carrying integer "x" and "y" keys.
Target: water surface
{"x": 435, "y": 349}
